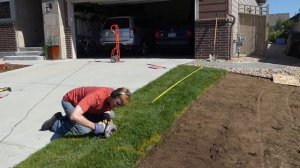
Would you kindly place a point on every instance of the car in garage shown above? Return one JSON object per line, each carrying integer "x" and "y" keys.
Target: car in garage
{"x": 135, "y": 34}
{"x": 174, "y": 37}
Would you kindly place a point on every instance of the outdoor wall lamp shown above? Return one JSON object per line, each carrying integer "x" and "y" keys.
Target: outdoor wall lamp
{"x": 48, "y": 8}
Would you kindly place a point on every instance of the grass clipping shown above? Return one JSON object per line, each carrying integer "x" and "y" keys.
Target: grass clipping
{"x": 140, "y": 125}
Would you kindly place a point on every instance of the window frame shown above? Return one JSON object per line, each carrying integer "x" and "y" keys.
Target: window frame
{"x": 12, "y": 11}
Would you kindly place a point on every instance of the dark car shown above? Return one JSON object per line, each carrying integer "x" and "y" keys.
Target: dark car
{"x": 174, "y": 37}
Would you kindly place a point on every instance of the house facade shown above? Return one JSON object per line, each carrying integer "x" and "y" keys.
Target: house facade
{"x": 36, "y": 23}
{"x": 229, "y": 28}
{"x": 21, "y": 24}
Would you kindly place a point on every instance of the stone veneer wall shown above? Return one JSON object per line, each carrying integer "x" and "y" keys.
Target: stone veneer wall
{"x": 8, "y": 41}
{"x": 204, "y": 38}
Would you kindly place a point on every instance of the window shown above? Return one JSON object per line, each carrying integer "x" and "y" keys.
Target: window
{"x": 123, "y": 23}
{"x": 6, "y": 12}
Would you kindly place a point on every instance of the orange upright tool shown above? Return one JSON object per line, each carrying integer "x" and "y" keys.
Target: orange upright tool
{"x": 115, "y": 52}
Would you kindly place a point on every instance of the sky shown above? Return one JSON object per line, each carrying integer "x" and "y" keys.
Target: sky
{"x": 284, "y": 6}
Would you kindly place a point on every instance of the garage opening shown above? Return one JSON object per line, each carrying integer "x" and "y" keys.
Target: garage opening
{"x": 171, "y": 23}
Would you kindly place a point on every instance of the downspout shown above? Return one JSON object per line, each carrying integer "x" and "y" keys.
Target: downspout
{"x": 232, "y": 24}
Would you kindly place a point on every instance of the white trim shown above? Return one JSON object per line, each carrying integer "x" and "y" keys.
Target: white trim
{"x": 196, "y": 9}
{"x": 12, "y": 11}
{"x": 70, "y": 7}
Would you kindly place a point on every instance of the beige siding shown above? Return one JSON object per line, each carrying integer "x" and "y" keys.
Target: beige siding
{"x": 235, "y": 13}
{"x": 209, "y": 9}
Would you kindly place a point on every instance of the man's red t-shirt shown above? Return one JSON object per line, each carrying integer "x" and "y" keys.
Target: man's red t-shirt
{"x": 92, "y": 100}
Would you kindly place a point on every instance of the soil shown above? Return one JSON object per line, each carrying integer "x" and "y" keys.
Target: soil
{"x": 8, "y": 67}
{"x": 241, "y": 121}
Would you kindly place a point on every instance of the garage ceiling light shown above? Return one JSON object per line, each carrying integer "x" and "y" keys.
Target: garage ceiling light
{"x": 100, "y": 2}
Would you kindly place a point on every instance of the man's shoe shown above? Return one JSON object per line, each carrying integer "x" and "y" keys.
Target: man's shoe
{"x": 47, "y": 125}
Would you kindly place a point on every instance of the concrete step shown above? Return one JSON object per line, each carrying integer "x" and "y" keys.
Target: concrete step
{"x": 32, "y": 49}
{"x": 23, "y": 57}
{"x": 27, "y": 53}
{"x": 21, "y": 53}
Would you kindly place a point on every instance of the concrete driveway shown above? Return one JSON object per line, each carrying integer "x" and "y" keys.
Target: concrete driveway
{"x": 37, "y": 91}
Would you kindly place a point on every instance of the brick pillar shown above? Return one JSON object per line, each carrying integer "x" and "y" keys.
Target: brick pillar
{"x": 68, "y": 42}
{"x": 204, "y": 38}
{"x": 8, "y": 41}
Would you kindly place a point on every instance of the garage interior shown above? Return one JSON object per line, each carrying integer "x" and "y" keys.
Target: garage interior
{"x": 89, "y": 18}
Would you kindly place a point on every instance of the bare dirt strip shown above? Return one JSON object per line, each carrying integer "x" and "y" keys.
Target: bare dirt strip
{"x": 242, "y": 121}
{"x": 9, "y": 67}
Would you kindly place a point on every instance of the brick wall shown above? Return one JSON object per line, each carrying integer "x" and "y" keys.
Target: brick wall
{"x": 204, "y": 38}
{"x": 8, "y": 38}
{"x": 68, "y": 42}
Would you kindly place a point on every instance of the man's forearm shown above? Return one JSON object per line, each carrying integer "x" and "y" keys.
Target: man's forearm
{"x": 77, "y": 116}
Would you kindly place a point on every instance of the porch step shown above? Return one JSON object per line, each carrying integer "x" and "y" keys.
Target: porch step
{"x": 21, "y": 53}
{"x": 23, "y": 57}
{"x": 27, "y": 53}
{"x": 32, "y": 49}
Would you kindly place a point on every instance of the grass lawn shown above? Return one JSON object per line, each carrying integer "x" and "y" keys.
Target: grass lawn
{"x": 140, "y": 125}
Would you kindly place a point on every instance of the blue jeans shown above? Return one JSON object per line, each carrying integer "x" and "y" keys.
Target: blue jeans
{"x": 65, "y": 125}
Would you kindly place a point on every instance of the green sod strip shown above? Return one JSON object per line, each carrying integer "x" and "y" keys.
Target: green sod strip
{"x": 141, "y": 125}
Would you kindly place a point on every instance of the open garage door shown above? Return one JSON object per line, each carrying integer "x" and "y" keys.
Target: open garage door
{"x": 116, "y": 1}
{"x": 172, "y": 22}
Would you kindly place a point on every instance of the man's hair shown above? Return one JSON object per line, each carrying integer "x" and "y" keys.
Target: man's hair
{"x": 123, "y": 94}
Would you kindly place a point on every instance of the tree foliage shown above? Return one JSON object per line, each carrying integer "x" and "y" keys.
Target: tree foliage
{"x": 280, "y": 30}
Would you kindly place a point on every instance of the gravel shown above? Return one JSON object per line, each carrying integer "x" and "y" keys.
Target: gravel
{"x": 273, "y": 63}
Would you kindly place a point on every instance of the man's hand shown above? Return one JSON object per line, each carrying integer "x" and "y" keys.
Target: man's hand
{"x": 110, "y": 128}
{"x": 99, "y": 128}
{"x": 108, "y": 115}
